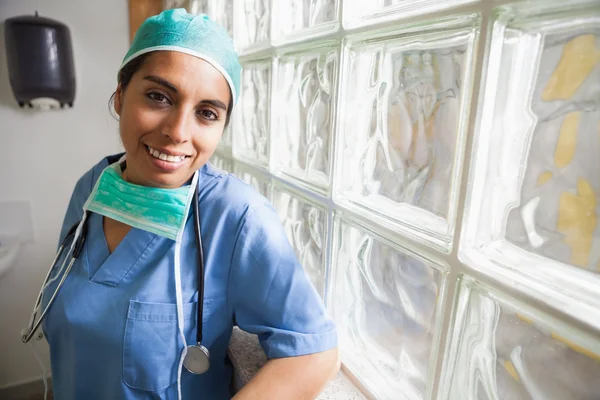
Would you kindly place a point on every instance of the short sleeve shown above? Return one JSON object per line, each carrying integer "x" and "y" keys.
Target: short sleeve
{"x": 270, "y": 293}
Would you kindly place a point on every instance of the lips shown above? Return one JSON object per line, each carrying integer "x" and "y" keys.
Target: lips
{"x": 168, "y": 157}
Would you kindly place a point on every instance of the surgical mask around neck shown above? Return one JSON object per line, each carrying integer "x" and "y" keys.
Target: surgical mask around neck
{"x": 160, "y": 211}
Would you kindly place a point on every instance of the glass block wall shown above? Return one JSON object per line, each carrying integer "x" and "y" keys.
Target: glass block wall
{"x": 436, "y": 166}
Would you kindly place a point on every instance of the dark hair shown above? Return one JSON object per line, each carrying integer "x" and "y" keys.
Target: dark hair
{"x": 131, "y": 68}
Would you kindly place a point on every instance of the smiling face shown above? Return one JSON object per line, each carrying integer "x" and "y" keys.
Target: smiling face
{"x": 172, "y": 115}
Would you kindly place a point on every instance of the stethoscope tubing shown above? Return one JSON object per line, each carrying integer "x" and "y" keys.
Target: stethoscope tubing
{"x": 76, "y": 251}
{"x": 27, "y": 337}
{"x": 32, "y": 330}
{"x": 200, "y": 307}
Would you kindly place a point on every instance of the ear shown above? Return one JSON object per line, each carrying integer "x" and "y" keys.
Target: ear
{"x": 118, "y": 103}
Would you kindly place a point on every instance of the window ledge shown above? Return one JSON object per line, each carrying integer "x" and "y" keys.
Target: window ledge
{"x": 248, "y": 357}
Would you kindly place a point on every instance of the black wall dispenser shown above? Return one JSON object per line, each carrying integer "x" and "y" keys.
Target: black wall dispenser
{"x": 40, "y": 62}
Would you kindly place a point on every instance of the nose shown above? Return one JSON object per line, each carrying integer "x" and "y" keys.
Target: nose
{"x": 176, "y": 126}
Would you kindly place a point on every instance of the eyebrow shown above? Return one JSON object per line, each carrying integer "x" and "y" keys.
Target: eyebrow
{"x": 162, "y": 82}
{"x": 170, "y": 86}
{"x": 215, "y": 103}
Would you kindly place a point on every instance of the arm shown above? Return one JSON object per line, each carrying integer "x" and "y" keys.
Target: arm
{"x": 293, "y": 378}
{"x": 272, "y": 297}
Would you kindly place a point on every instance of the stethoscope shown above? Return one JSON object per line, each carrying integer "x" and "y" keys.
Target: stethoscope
{"x": 197, "y": 358}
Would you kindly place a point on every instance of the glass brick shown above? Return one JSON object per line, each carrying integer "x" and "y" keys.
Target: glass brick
{"x": 305, "y": 224}
{"x": 189, "y": 5}
{"x": 222, "y": 162}
{"x": 535, "y": 186}
{"x": 501, "y": 349}
{"x": 306, "y": 93}
{"x": 192, "y": 6}
{"x": 386, "y": 304}
{"x": 222, "y": 12}
{"x": 251, "y": 130}
{"x": 359, "y": 12}
{"x": 405, "y": 101}
{"x": 252, "y": 21}
{"x": 252, "y": 178}
{"x": 303, "y": 19}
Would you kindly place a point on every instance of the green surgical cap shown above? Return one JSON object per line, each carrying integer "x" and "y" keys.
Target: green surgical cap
{"x": 197, "y": 35}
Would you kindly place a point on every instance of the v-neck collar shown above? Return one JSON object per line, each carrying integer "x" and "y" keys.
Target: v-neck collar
{"x": 110, "y": 268}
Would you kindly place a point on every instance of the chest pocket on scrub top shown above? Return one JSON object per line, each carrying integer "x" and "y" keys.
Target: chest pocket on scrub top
{"x": 152, "y": 347}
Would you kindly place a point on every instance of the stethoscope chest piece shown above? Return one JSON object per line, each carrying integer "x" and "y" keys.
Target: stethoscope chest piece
{"x": 197, "y": 359}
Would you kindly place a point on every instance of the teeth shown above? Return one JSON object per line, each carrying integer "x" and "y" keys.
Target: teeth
{"x": 165, "y": 157}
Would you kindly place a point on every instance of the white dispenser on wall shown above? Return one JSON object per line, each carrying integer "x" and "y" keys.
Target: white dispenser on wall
{"x": 40, "y": 62}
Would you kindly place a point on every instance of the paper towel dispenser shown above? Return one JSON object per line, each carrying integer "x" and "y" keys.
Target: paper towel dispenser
{"x": 40, "y": 61}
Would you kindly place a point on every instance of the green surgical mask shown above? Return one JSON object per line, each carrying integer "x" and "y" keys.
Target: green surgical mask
{"x": 160, "y": 211}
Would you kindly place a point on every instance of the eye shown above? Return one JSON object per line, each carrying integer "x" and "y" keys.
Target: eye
{"x": 208, "y": 114}
{"x": 158, "y": 97}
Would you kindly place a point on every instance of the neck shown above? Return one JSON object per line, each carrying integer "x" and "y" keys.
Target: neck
{"x": 125, "y": 175}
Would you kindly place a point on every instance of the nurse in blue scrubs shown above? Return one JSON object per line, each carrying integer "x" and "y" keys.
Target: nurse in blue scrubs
{"x": 119, "y": 324}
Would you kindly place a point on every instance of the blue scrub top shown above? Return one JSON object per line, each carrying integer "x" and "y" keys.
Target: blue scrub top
{"x": 112, "y": 329}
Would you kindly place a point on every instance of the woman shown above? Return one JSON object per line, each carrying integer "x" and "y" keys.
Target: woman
{"x": 119, "y": 324}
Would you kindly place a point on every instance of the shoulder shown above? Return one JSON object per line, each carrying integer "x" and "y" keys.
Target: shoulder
{"x": 227, "y": 194}
{"x": 82, "y": 190}
{"x": 258, "y": 227}
{"x": 246, "y": 219}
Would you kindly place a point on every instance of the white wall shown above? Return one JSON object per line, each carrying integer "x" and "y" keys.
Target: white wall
{"x": 42, "y": 154}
